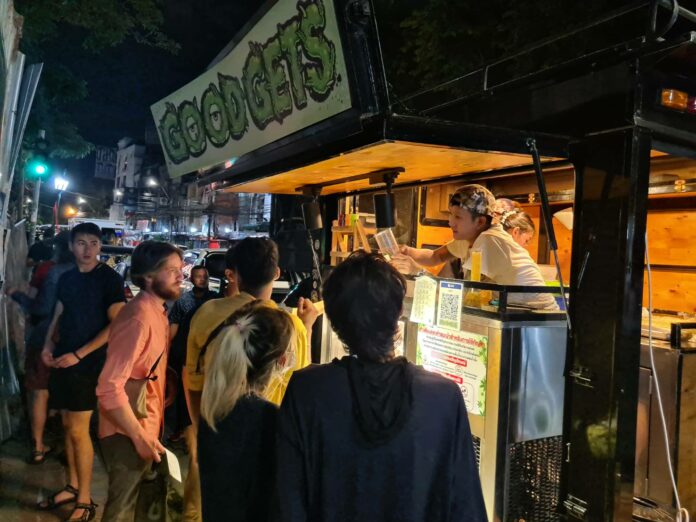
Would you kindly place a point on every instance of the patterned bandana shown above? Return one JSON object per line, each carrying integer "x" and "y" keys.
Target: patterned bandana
{"x": 475, "y": 198}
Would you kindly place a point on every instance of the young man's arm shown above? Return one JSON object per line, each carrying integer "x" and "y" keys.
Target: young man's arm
{"x": 72, "y": 358}
{"x": 126, "y": 341}
{"x": 49, "y": 345}
{"x": 308, "y": 314}
{"x": 427, "y": 257}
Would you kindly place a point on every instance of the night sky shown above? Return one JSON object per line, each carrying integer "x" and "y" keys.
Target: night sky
{"x": 124, "y": 81}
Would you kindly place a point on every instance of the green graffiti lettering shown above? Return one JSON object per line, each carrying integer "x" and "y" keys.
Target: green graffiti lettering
{"x": 172, "y": 139}
{"x": 214, "y": 116}
{"x": 320, "y": 73}
{"x": 290, "y": 47}
{"x": 256, "y": 87}
{"x": 277, "y": 81}
{"x": 235, "y": 106}
{"x": 191, "y": 123}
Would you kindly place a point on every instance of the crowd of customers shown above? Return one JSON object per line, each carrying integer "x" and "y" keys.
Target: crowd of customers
{"x": 368, "y": 437}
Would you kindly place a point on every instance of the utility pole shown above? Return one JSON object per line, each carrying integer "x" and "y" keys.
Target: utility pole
{"x": 35, "y": 202}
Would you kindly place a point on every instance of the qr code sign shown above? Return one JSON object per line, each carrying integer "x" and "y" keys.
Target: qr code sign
{"x": 450, "y": 305}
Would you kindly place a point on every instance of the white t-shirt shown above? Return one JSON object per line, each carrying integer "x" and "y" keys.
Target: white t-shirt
{"x": 458, "y": 248}
{"x": 506, "y": 263}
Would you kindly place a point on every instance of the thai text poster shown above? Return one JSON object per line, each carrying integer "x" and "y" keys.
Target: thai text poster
{"x": 459, "y": 356}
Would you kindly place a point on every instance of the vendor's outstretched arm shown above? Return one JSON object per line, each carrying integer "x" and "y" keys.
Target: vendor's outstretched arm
{"x": 427, "y": 257}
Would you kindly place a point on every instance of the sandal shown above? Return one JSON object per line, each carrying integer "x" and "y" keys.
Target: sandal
{"x": 89, "y": 511}
{"x": 50, "y": 502}
{"x": 38, "y": 457}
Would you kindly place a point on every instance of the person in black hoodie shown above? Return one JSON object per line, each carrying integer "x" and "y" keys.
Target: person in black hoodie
{"x": 371, "y": 437}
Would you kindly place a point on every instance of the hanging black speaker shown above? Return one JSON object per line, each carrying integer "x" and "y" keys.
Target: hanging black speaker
{"x": 311, "y": 213}
{"x": 385, "y": 210}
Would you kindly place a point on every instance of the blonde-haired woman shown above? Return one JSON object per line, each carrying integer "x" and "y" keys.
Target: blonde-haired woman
{"x": 236, "y": 436}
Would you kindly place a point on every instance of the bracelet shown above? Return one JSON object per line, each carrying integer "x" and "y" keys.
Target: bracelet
{"x": 77, "y": 356}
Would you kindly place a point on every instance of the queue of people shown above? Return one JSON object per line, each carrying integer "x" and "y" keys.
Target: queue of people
{"x": 270, "y": 437}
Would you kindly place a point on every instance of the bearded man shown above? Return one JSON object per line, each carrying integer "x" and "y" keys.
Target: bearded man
{"x": 136, "y": 362}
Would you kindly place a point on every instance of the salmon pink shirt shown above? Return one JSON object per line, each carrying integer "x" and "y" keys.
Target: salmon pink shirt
{"x": 138, "y": 335}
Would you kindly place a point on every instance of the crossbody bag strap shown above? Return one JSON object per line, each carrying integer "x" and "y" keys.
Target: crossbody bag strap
{"x": 154, "y": 367}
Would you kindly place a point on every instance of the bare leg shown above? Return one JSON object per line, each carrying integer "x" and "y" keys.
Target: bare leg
{"x": 78, "y": 433}
{"x": 70, "y": 459}
{"x": 39, "y": 412}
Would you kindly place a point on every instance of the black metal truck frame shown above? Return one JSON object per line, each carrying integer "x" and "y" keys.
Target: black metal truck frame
{"x": 602, "y": 115}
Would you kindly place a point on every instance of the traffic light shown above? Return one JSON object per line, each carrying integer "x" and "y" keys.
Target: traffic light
{"x": 37, "y": 165}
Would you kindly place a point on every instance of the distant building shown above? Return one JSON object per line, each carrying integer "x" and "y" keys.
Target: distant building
{"x": 105, "y": 163}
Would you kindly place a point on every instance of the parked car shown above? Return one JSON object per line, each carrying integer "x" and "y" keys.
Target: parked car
{"x": 214, "y": 261}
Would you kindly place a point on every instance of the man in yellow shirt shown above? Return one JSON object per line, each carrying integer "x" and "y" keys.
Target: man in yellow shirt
{"x": 253, "y": 263}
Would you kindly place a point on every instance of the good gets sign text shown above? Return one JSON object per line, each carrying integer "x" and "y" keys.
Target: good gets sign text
{"x": 286, "y": 73}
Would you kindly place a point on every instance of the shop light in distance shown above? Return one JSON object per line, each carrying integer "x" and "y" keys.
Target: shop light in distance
{"x": 193, "y": 229}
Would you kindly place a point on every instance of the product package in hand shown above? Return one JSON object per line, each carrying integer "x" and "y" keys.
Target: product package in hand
{"x": 387, "y": 243}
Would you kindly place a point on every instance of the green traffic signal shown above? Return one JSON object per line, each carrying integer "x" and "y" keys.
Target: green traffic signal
{"x": 37, "y": 168}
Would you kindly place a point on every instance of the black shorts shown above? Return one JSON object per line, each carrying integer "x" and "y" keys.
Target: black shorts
{"x": 71, "y": 390}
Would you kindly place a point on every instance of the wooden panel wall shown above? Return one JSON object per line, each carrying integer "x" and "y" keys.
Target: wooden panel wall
{"x": 671, "y": 229}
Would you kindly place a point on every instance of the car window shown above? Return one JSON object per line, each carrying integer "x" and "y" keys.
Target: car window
{"x": 190, "y": 257}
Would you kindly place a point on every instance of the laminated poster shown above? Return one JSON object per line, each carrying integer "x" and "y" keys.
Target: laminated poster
{"x": 424, "y": 299}
{"x": 459, "y": 356}
{"x": 449, "y": 306}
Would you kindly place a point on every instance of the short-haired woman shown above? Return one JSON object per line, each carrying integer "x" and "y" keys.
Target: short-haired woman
{"x": 236, "y": 436}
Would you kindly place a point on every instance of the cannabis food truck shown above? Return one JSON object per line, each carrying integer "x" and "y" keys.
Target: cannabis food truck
{"x": 598, "y": 149}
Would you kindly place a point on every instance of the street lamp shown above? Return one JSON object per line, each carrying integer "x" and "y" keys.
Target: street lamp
{"x": 60, "y": 184}
{"x": 81, "y": 200}
{"x": 152, "y": 182}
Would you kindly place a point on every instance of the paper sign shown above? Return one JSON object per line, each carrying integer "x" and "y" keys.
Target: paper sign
{"x": 449, "y": 307}
{"x": 173, "y": 465}
{"x": 424, "y": 299}
{"x": 459, "y": 356}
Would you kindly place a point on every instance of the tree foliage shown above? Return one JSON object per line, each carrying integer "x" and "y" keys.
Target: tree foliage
{"x": 99, "y": 24}
{"x": 429, "y": 42}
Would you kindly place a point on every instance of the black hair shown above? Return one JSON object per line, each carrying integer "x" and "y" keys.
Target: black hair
{"x": 363, "y": 298}
{"x": 87, "y": 229}
{"x": 61, "y": 249}
{"x": 255, "y": 260}
{"x": 229, "y": 258}
{"x": 196, "y": 267}
{"x": 148, "y": 257}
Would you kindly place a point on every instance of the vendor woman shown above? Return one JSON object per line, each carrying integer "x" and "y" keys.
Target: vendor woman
{"x": 503, "y": 261}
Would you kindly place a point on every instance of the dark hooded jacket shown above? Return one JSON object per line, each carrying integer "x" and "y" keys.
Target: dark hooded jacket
{"x": 375, "y": 442}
